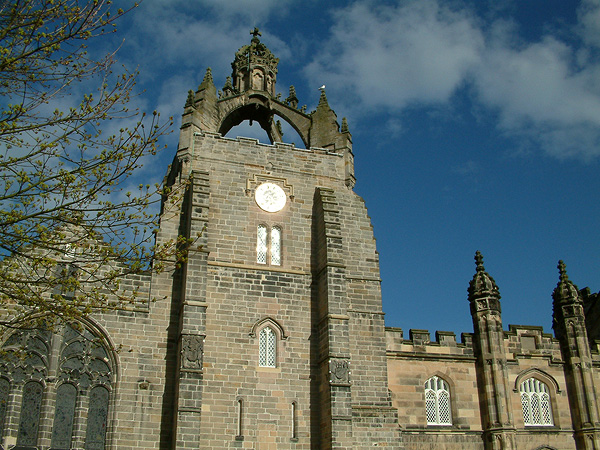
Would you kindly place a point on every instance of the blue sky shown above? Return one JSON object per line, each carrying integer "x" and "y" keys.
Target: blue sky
{"x": 476, "y": 126}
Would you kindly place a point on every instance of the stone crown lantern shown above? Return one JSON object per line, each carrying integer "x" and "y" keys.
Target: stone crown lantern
{"x": 255, "y": 67}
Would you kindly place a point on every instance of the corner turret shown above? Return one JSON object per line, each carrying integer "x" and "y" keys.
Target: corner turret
{"x": 492, "y": 373}
{"x": 569, "y": 327}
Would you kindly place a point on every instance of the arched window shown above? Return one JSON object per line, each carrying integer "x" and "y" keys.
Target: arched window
{"x": 437, "y": 402}
{"x": 261, "y": 244}
{"x": 267, "y": 347}
{"x": 276, "y": 246}
{"x": 30, "y": 414}
{"x": 4, "y": 392}
{"x": 268, "y": 245}
{"x": 240, "y": 417}
{"x": 535, "y": 401}
{"x": 95, "y": 436}
{"x": 84, "y": 369}
{"x": 64, "y": 414}
{"x": 294, "y": 420}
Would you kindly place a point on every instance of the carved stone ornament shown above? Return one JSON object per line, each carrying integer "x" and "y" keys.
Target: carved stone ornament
{"x": 339, "y": 371}
{"x": 572, "y": 310}
{"x": 192, "y": 350}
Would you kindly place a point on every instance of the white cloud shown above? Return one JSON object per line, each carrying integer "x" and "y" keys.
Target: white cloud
{"x": 421, "y": 53}
{"x": 589, "y": 19}
{"x": 256, "y": 11}
{"x": 184, "y": 40}
{"x": 394, "y": 56}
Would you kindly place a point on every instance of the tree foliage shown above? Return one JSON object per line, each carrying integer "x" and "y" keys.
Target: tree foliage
{"x": 69, "y": 232}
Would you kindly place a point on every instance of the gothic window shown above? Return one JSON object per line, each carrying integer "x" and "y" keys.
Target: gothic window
{"x": 267, "y": 347}
{"x": 535, "y": 401}
{"x": 64, "y": 413}
{"x": 268, "y": 245}
{"x": 294, "y": 421}
{"x": 4, "y": 391}
{"x": 240, "y": 415}
{"x": 81, "y": 367}
{"x": 261, "y": 244}
{"x": 30, "y": 414}
{"x": 276, "y": 246}
{"x": 97, "y": 419}
{"x": 437, "y": 402}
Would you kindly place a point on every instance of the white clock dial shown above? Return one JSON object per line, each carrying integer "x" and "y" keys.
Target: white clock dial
{"x": 270, "y": 197}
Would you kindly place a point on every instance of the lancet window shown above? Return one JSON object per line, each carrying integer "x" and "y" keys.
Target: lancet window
{"x": 267, "y": 347}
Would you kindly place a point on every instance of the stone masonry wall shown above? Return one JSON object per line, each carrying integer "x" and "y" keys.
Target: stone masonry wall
{"x": 529, "y": 352}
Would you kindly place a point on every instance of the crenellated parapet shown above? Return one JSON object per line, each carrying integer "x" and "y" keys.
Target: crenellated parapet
{"x": 420, "y": 344}
{"x": 530, "y": 342}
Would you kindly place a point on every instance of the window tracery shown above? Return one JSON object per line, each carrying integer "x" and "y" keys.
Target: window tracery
{"x": 535, "y": 400}
{"x": 437, "y": 402}
{"x": 81, "y": 367}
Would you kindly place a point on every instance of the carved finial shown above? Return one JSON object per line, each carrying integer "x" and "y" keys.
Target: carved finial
{"x": 255, "y": 33}
{"x": 208, "y": 76}
{"x": 565, "y": 291}
{"x": 344, "y": 125}
{"x": 190, "y": 98}
{"x": 292, "y": 100}
{"x": 323, "y": 100}
{"x": 228, "y": 88}
{"x": 562, "y": 270}
{"x": 479, "y": 261}
{"x": 207, "y": 81}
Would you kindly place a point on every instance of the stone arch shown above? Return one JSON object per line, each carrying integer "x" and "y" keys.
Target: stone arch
{"x": 265, "y": 321}
{"x": 540, "y": 375}
{"x": 257, "y": 107}
{"x": 114, "y": 363}
{"x": 82, "y": 356}
{"x": 105, "y": 338}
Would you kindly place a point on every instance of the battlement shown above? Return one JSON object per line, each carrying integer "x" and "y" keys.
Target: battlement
{"x": 420, "y": 342}
{"x": 526, "y": 341}
{"x": 521, "y": 341}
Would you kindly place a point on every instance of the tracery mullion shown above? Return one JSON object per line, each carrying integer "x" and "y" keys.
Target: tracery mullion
{"x": 80, "y": 421}
{"x": 15, "y": 396}
{"x": 46, "y": 415}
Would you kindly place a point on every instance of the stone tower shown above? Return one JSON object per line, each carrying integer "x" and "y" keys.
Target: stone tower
{"x": 280, "y": 331}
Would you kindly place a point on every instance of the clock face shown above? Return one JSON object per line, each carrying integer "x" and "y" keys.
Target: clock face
{"x": 270, "y": 197}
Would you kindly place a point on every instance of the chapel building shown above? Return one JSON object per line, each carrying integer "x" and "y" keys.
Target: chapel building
{"x": 271, "y": 336}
